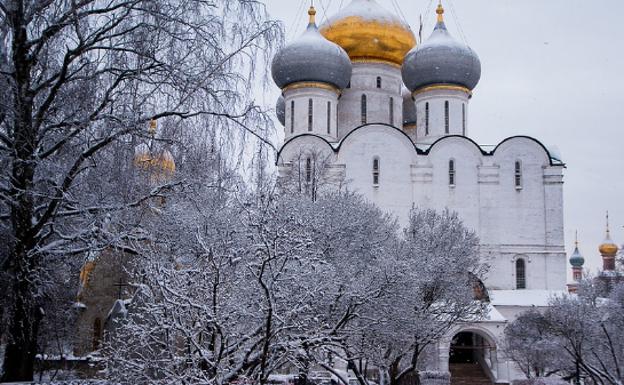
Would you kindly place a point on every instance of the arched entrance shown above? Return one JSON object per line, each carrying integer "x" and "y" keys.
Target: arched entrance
{"x": 472, "y": 358}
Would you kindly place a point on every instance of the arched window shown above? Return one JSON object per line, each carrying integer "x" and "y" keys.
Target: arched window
{"x": 292, "y": 116}
{"x": 378, "y": 81}
{"x": 464, "y": 119}
{"x": 446, "y": 117}
{"x": 364, "y": 109}
{"x": 391, "y": 111}
{"x": 310, "y": 114}
{"x": 518, "y": 174}
{"x": 520, "y": 274}
{"x": 308, "y": 170}
{"x": 375, "y": 171}
{"x": 427, "y": 118}
{"x": 329, "y": 117}
{"x": 349, "y": 84}
{"x": 451, "y": 171}
{"x": 97, "y": 333}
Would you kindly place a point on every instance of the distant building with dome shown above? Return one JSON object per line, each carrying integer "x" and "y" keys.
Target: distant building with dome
{"x": 365, "y": 107}
{"x": 104, "y": 290}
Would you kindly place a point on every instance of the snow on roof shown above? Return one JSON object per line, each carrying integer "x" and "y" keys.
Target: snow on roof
{"x": 524, "y": 297}
{"x": 366, "y": 9}
{"x": 493, "y": 315}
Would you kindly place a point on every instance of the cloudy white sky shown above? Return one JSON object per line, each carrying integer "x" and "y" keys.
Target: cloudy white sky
{"x": 551, "y": 69}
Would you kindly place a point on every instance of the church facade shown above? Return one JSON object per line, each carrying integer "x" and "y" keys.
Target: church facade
{"x": 366, "y": 108}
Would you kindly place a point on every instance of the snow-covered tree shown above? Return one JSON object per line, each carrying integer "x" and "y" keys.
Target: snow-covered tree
{"x": 577, "y": 336}
{"x": 78, "y": 77}
{"x": 437, "y": 270}
{"x": 241, "y": 287}
{"x": 528, "y": 344}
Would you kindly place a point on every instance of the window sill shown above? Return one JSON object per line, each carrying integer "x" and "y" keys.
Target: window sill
{"x": 452, "y": 186}
{"x": 518, "y": 188}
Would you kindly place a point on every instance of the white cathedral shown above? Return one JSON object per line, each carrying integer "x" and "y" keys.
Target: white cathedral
{"x": 391, "y": 120}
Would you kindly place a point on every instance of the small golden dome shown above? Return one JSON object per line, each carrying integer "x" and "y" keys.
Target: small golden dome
{"x": 159, "y": 163}
{"x": 608, "y": 248}
{"x": 370, "y": 33}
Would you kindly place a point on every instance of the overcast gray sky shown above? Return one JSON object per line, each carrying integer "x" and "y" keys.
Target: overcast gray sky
{"x": 551, "y": 69}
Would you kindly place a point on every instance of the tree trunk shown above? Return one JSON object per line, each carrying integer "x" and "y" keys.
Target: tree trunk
{"x": 20, "y": 352}
{"x": 22, "y": 267}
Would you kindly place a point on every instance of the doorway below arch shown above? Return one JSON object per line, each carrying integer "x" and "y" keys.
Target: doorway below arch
{"x": 471, "y": 359}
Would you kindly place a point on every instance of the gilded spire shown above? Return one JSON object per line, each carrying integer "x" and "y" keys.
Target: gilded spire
{"x": 608, "y": 231}
{"x": 312, "y": 14}
{"x": 440, "y": 12}
{"x": 576, "y": 239}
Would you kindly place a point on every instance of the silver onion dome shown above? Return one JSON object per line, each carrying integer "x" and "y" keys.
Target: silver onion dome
{"x": 280, "y": 110}
{"x": 441, "y": 60}
{"x": 312, "y": 58}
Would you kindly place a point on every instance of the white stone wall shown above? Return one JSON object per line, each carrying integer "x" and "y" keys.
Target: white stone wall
{"x": 364, "y": 82}
{"x": 297, "y": 124}
{"x": 436, "y": 99}
{"x": 511, "y": 221}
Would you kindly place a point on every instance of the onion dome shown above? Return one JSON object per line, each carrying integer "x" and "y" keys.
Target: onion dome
{"x": 441, "y": 60}
{"x": 608, "y": 247}
{"x": 576, "y": 259}
{"x": 280, "y": 110}
{"x": 159, "y": 163}
{"x": 368, "y": 32}
{"x": 311, "y": 58}
{"x": 409, "y": 110}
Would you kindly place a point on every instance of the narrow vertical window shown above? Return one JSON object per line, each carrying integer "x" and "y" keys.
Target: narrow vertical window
{"x": 451, "y": 171}
{"x": 464, "y": 119}
{"x": 376, "y": 172}
{"x": 427, "y": 118}
{"x": 310, "y": 114}
{"x": 349, "y": 84}
{"x": 518, "y": 175}
{"x": 329, "y": 117}
{"x": 378, "y": 81}
{"x": 97, "y": 333}
{"x": 520, "y": 274}
{"x": 292, "y": 116}
{"x": 446, "y": 117}
{"x": 308, "y": 170}
{"x": 364, "y": 109}
{"x": 391, "y": 111}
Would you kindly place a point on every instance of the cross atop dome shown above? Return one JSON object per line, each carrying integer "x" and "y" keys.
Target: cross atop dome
{"x": 440, "y": 12}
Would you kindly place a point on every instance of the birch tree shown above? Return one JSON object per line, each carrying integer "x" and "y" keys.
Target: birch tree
{"x": 77, "y": 77}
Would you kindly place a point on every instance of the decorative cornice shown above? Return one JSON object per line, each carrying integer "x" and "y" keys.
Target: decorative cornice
{"x": 372, "y": 60}
{"x": 319, "y": 85}
{"x": 443, "y": 87}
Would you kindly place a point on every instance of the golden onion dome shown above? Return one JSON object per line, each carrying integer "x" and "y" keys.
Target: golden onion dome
{"x": 608, "y": 247}
{"x": 159, "y": 163}
{"x": 368, "y": 32}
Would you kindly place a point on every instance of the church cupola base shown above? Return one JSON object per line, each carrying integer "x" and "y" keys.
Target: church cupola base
{"x": 311, "y": 108}
{"x": 441, "y": 110}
